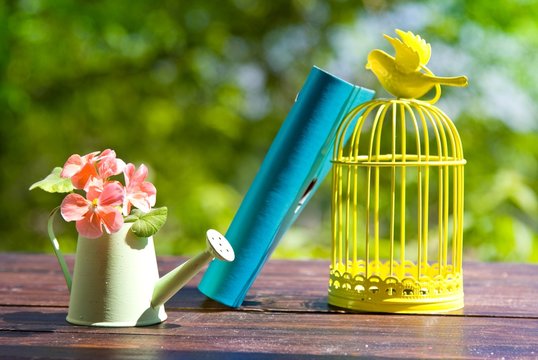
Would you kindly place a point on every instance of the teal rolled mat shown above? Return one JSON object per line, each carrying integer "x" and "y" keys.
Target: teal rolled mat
{"x": 294, "y": 167}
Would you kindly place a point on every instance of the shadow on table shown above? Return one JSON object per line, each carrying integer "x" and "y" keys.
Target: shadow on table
{"x": 36, "y": 320}
{"x": 49, "y": 322}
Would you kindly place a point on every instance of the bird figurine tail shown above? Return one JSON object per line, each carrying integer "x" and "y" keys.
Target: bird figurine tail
{"x": 450, "y": 81}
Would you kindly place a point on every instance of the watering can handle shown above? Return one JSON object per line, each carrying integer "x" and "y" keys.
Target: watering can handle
{"x": 56, "y": 247}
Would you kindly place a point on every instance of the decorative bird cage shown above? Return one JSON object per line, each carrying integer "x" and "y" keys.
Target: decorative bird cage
{"x": 397, "y": 209}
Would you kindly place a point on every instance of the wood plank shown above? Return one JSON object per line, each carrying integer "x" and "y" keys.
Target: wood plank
{"x": 500, "y": 289}
{"x": 491, "y": 289}
{"x": 28, "y": 332}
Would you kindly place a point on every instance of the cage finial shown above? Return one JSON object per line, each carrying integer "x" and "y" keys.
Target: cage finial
{"x": 406, "y": 75}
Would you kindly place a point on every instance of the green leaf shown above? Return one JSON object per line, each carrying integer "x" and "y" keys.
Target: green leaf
{"x": 54, "y": 183}
{"x": 147, "y": 224}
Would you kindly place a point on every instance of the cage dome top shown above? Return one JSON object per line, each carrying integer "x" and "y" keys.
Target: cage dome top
{"x": 405, "y": 75}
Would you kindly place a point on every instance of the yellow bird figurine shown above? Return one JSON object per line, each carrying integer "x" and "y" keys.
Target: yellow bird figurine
{"x": 402, "y": 76}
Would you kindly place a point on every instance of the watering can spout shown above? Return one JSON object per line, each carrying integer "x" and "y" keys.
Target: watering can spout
{"x": 217, "y": 247}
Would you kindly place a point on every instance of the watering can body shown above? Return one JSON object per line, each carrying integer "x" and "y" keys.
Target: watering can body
{"x": 116, "y": 282}
{"x": 113, "y": 281}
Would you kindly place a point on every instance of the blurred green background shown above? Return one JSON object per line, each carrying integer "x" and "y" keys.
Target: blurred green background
{"x": 197, "y": 90}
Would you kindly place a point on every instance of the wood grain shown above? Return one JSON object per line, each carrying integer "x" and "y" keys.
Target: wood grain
{"x": 285, "y": 315}
{"x": 277, "y": 333}
{"x": 499, "y": 289}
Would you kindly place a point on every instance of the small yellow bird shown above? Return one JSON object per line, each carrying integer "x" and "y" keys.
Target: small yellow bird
{"x": 402, "y": 76}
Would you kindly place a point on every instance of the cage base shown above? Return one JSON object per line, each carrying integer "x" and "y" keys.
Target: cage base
{"x": 398, "y": 305}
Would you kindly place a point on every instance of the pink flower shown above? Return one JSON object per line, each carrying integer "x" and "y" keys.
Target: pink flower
{"x": 138, "y": 193}
{"x": 83, "y": 169}
{"x": 100, "y": 209}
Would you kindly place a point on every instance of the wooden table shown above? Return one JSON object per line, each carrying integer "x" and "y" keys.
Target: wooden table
{"x": 285, "y": 315}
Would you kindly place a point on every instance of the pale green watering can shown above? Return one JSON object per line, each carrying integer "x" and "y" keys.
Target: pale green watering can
{"x": 116, "y": 281}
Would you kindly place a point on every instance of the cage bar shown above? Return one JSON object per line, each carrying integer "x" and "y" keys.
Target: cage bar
{"x": 397, "y": 209}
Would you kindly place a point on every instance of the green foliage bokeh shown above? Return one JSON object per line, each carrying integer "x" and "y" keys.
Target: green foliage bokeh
{"x": 197, "y": 91}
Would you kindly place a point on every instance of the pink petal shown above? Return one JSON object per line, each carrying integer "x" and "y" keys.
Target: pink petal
{"x": 106, "y": 153}
{"x": 109, "y": 165}
{"x": 90, "y": 226}
{"x": 140, "y": 201}
{"x": 83, "y": 176}
{"x": 94, "y": 188}
{"x": 111, "y": 218}
{"x": 128, "y": 172}
{"x": 150, "y": 191}
{"x": 74, "y": 207}
{"x": 73, "y": 164}
{"x": 76, "y": 162}
{"x": 126, "y": 206}
{"x": 112, "y": 195}
{"x": 91, "y": 157}
{"x": 148, "y": 188}
{"x": 134, "y": 177}
{"x": 140, "y": 174}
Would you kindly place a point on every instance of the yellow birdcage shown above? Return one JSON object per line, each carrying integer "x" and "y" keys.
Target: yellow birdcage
{"x": 397, "y": 209}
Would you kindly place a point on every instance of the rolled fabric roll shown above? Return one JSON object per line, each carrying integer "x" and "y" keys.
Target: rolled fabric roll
{"x": 295, "y": 165}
